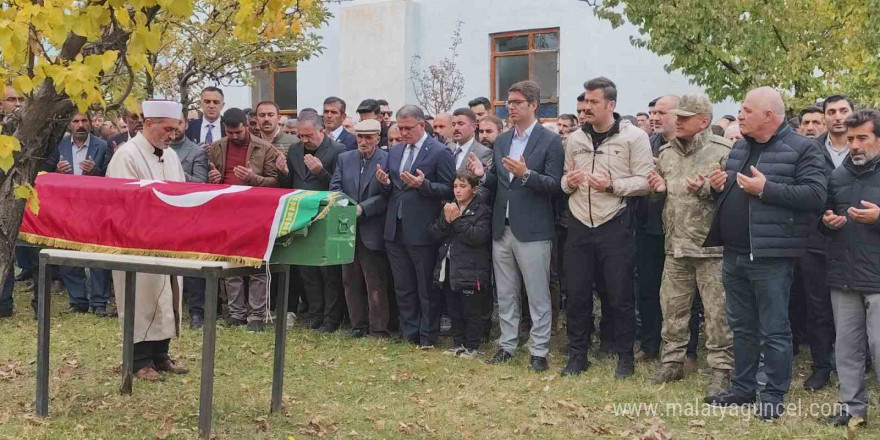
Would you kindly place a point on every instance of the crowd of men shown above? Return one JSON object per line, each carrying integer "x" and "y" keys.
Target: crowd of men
{"x": 763, "y": 227}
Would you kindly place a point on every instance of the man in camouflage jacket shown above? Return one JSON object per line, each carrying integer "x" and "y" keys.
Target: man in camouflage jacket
{"x": 681, "y": 179}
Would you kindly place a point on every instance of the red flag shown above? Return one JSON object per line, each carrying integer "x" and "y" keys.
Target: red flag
{"x": 147, "y": 217}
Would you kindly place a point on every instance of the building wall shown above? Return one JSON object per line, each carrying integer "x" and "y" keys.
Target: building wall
{"x": 370, "y": 44}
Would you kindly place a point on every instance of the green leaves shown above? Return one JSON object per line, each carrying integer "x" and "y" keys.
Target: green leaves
{"x": 807, "y": 48}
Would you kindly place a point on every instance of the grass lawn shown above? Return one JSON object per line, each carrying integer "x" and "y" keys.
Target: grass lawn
{"x": 336, "y": 387}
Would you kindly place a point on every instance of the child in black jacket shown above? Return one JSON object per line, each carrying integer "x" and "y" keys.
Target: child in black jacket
{"x": 464, "y": 263}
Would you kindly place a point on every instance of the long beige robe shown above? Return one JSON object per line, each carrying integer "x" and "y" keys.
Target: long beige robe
{"x": 154, "y": 299}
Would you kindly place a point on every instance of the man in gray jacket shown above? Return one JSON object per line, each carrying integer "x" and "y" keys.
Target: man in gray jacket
{"x": 192, "y": 157}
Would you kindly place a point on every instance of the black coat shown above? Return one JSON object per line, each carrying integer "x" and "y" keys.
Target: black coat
{"x": 853, "y": 254}
{"x": 781, "y": 221}
{"x": 466, "y": 242}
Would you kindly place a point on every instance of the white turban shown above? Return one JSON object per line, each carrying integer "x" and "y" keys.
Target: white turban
{"x": 162, "y": 109}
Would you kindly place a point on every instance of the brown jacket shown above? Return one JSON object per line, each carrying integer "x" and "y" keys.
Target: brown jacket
{"x": 261, "y": 156}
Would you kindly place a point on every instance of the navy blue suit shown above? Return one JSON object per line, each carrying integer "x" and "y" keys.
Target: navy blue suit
{"x": 97, "y": 150}
{"x": 194, "y": 131}
{"x": 410, "y": 248}
{"x": 348, "y": 139}
{"x": 75, "y": 277}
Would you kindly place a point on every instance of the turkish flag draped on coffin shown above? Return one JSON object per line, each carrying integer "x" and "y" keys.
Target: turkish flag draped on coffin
{"x": 170, "y": 219}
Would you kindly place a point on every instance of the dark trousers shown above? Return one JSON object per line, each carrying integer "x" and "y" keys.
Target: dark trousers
{"x": 609, "y": 249}
{"x": 366, "y": 290}
{"x": 6, "y": 301}
{"x": 323, "y": 288}
{"x": 75, "y": 281}
{"x": 650, "y": 256}
{"x": 465, "y": 310}
{"x": 810, "y": 292}
{"x": 417, "y": 299}
{"x": 27, "y": 258}
{"x": 694, "y": 326}
{"x": 194, "y": 295}
{"x": 757, "y": 311}
{"x": 150, "y": 352}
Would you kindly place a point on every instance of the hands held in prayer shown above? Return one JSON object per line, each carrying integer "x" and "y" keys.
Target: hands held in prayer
{"x": 515, "y": 167}
{"x": 451, "y": 211}
{"x": 657, "y": 183}
{"x": 87, "y": 165}
{"x": 382, "y": 176}
{"x": 213, "y": 175}
{"x": 244, "y": 173}
{"x": 832, "y": 220}
{"x": 475, "y": 166}
{"x": 281, "y": 164}
{"x": 575, "y": 177}
{"x": 413, "y": 180}
{"x": 599, "y": 181}
{"x": 694, "y": 185}
{"x": 313, "y": 164}
{"x": 718, "y": 178}
{"x": 64, "y": 167}
{"x": 753, "y": 185}
{"x": 867, "y": 216}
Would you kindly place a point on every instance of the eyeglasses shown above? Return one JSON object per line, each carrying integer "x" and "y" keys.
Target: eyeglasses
{"x": 385, "y": 113}
{"x": 515, "y": 102}
{"x": 403, "y": 128}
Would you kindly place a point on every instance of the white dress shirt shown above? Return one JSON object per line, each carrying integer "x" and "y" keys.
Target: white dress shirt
{"x": 836, "y": 156}
{"x": 79, "y": 154}
{"x": 215, "y": 130}
{"x": 415, "y": 152}
{"x": 336, "y": 133}
{"x": 463, "y": 151}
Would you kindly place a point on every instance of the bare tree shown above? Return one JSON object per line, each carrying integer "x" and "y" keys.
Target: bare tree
{"x": 438, "y": 86}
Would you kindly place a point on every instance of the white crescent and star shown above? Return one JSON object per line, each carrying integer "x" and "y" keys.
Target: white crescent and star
{"x": 190, "y": 200}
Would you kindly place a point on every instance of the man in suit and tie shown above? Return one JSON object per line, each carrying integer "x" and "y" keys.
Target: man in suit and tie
{"x": 82, "y": 154}
{"x": 525, "y": 174}
{"x": 309, "y": 165}
{"x": 416, "y": 179}
{"x": 334, "y": 115}
{"x": 464, "y": 126}
{"x": 366, "y": 278}
{"x": 209, "y": 128}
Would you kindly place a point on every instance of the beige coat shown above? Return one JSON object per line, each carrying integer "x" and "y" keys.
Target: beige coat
{"x": 625, "y": 155}
{"x": 154, "y": 299}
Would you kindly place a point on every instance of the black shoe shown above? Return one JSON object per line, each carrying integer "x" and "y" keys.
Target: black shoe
{"x": 768, "y": 411}
{"x": 6, "y": 313}
{"x": 576, "y": 365}
{"x": 818, "y": 380}
{"x": 625, "y": 367}
{"x": 256, "y": 326}
{"x": 100, "y": 312}
{"x": 843, "y": 419}
{"x": 232, "y": 322}
{"x": 327, "y": 328}
{"x": 316, "y": 324}
{"x": 196, "y": 322}
{"x": 73, "y": 309}
{"x": 501, "y": 357}
{"x": 358, "y": 333}
{"x": 729, "y": 399}
{"x": 24, "y": 276}
{"x": 538, "y": 364}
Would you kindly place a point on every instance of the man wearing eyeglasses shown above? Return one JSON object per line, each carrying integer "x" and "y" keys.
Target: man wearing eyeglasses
{"x": 134, "y": 122}
{"x": 524, "y": 175}
{"x": 416, "y": 178}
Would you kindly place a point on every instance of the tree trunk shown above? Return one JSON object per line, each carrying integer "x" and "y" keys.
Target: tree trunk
{"x": 37, "y": 137}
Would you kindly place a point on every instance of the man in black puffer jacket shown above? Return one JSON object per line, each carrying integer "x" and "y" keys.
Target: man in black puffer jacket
{"x": 854, "y": 261}
{"x": 773, "y": 188}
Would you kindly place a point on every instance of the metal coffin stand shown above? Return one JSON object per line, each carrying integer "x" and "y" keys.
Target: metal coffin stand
{"x": 212, "y": 272}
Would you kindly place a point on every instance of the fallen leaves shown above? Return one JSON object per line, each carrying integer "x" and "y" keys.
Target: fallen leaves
{"x": 12, "y": 369}
{"x": 655, "y": 429}
{"x": 165, "y": 428}
{"x": 317, "y": 426}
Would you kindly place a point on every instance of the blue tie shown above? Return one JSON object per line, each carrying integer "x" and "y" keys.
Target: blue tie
{"x": 209, "y": 137}
{"x": 406, "y": 166}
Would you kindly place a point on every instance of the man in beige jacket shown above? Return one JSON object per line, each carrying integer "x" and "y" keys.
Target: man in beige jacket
{"x": 607, "y": 161}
